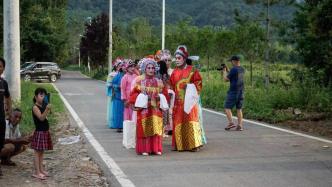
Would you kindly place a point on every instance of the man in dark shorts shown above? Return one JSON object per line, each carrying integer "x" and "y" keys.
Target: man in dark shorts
{"x": 4, "y": 98}
{"x": 235, "y": 92}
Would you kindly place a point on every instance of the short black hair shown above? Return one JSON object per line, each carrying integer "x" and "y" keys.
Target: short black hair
{"x": 3, "y": 62}
{"x": 189, "y": 62}
{"x": 39, "y": 91}
{"x": 136, "y": 61}
{"x": 162, "y": 67}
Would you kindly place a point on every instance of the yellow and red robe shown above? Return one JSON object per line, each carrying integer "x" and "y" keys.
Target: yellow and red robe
{"x": 149, "y": 128}
{"x": 187, "y": 131}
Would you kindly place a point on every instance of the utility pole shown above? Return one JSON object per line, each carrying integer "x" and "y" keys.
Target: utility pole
{"x": 89, "y": 67}
{"x": 11, "y": 40}
{"x": 267, "y": 50}
{"x": 79, "y": 58}
{"x": 163, "y": 27}
{"x": 110, "y": 37}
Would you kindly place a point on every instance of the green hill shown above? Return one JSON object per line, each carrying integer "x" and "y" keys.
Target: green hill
{"x": 201, "y": 12}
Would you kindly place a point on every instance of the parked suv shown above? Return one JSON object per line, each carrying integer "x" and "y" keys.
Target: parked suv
{"x": 41, "y": 71}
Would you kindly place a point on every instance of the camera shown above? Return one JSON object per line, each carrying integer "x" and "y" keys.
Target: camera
{"x": 222, "y": 66}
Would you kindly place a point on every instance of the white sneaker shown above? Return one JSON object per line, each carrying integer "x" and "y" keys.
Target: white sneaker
{"x": 158, "y": 153}
{"x": 145, "y": 154}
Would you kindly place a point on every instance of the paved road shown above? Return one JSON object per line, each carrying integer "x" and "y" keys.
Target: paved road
{"x": 256, "y": 157}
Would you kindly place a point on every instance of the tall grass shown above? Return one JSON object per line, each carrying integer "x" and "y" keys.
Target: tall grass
{"x": 26, "y": 104}
{"x": 274, "y": 104}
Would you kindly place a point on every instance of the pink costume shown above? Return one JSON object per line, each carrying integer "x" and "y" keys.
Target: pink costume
{"x": 126, "y": 88}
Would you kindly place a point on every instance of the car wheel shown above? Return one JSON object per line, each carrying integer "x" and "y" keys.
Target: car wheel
{"x": 27, "y": 77}
{"x": 53, "y": 78}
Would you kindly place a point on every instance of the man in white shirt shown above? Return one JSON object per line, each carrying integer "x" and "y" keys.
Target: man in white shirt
{"x": 14, "y": 143}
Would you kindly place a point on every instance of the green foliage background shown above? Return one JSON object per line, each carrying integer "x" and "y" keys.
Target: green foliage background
{"x": 43, "y": 31}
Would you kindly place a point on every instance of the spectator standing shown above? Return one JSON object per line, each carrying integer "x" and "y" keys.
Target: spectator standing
{"x": 235, "y": 94}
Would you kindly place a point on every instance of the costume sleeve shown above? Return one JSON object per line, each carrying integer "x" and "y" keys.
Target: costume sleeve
{"x": 197, "y": 80}
{"x": 124, "y": 90}
{"x": 108, "y": 89}
{"x": 164, "y": 89}
{"x": 165, "y": 92}
{"x": 135, "y": 92}
{"x": 171, "y": 81}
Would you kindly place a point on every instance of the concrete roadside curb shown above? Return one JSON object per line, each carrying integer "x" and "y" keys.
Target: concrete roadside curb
{"x": 110, "y": 178}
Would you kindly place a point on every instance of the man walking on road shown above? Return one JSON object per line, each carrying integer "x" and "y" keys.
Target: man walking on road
{"x": 235, "y": 92}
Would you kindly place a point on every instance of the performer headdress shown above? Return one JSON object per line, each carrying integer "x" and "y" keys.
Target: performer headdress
{"x": 144, "y": 62}
{"x": 182, "y": 50}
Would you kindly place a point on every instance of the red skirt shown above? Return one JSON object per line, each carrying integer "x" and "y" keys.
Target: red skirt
{"x": 41, "y": 141}
{"x": 151, "y": 145}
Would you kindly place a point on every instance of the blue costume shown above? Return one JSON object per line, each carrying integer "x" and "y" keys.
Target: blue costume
{"x": 115, "y": 106}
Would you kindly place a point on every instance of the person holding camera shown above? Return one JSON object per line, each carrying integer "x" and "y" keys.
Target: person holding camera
{"x": 235, "y": 94}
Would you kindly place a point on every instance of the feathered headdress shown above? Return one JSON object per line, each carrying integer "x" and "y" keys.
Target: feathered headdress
{"x": 144, "y": 62}
{"x": 182, "y": 50}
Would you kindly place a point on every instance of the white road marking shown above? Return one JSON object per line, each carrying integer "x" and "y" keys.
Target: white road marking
{"x": 276, "y": 128}
{"x": 78, "y": 94}
{"x": 109, "y": 162}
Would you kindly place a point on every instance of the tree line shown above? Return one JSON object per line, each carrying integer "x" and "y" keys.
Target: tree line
{"x": 306, "y": 39}
{"x": 43, "y": 31}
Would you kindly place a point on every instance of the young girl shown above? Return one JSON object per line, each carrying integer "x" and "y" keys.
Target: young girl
{"x": 41, "y": 139}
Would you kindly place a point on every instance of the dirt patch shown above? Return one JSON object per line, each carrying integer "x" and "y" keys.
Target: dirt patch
{"x": 68, "y": 165}
{"x": 314, "y": 127}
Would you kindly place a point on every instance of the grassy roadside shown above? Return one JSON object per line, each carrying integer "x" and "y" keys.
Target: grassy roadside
{"x": 28, "y": 88}
{"x": 273, "y": 105}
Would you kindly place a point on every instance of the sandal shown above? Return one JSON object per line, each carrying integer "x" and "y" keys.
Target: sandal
{"x": 46, "y": 174}
{"x": 39, "y": 176}
{"x": 239, "y": 128}
{"x": 230, "y": 126}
